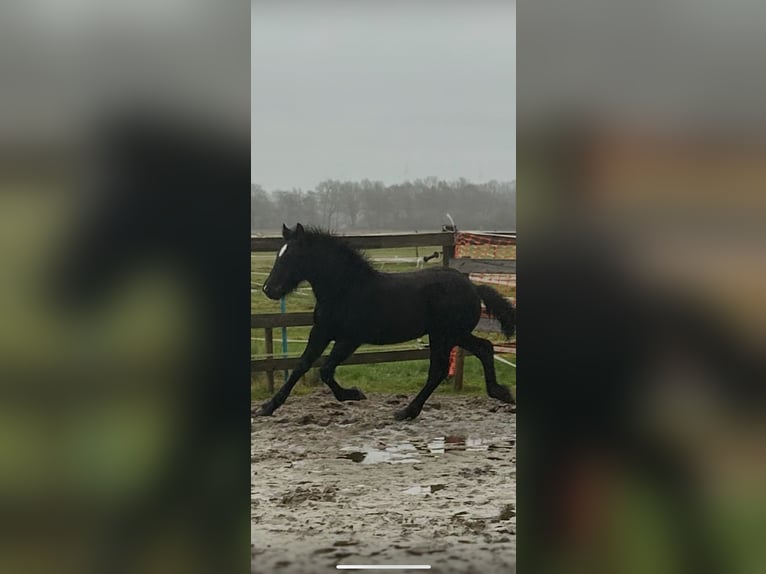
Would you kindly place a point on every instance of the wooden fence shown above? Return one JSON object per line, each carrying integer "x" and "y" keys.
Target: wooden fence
{"x": 446, "y": 240}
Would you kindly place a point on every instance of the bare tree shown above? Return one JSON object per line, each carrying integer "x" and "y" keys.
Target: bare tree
{"x": 351, "y": 201}
{"x": 329, "y": 195}
{"x": 419, "y": 204}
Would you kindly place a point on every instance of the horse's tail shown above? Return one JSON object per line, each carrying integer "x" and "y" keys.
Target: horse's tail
{"x": 499, "y": 308}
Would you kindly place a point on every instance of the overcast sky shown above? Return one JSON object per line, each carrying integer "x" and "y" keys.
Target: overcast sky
{"x": 382, "y": 89}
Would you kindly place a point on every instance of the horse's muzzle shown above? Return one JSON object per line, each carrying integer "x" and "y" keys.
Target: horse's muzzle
{"x": 270, "y": 292}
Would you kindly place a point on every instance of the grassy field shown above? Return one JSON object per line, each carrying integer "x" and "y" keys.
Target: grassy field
{"x": 404, "y": 377}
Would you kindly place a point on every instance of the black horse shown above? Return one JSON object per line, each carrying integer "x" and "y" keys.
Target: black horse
{"x": 357, "y": 304}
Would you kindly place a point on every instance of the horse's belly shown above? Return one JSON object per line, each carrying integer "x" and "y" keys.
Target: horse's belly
{"x": 390, "y": 338}
{"x": 396, "y": 330}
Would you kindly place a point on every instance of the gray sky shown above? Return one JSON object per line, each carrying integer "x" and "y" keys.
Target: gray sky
{"x": 382, "y": 89}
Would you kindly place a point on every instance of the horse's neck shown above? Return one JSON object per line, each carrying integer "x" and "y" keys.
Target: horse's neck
{"x": 330, "y": 281}
{"x": 326, "y": 289}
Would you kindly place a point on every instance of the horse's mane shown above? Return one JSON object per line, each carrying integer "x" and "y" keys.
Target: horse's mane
{"x": 330, "y": 242}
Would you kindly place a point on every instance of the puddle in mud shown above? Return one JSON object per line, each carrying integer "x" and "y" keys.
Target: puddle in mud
{"x": 402, "y": 452}
{"x": 444, "y": 443}
{"x": 356, "y": 456}
{"x": 427, "y": 489}
{"x": 408, "y": 452}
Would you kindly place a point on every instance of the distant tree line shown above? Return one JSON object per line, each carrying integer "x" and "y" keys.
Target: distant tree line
{"x": 371, "y": 205}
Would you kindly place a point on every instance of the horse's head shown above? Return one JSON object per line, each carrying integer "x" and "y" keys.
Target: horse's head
{"x": 290, "y": 267}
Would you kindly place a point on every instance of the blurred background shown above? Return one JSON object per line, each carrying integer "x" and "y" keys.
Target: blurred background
{"x": 123, "y": 366}
{"x": 641, "y": 204}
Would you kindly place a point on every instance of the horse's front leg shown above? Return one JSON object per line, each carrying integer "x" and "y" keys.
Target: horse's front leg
{"x": 318, "y": 342}
{"x": 340, "y": 352}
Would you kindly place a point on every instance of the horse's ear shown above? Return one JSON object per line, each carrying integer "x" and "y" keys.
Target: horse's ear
{"x": 299, "y": 231}
{"x": 286, "y": 233}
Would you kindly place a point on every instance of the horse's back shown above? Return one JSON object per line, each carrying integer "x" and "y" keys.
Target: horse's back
{"x": 444, "y": 298}
{"x": 428, "y": 276}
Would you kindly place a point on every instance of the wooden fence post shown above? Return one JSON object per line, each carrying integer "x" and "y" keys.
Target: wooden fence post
{"x": 459, "y": 362}
{"x": 448, "y": 253}
{"x": 270, "y": 353}
{"x": 458, "y": 355}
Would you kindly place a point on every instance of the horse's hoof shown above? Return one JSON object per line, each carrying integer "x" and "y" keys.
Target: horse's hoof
{"x": 353, "y": 394}
{"x": 503, "y": 394}
{"x": 405, "y": 414}
{"x": 265, "y": 411}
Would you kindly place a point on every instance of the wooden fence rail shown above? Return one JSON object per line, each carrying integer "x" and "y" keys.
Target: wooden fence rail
{"x": 279, "y": 363}
{"x": 270, "y": 321}
{"x": 464, "y": 265}
{"x": 370, "y": 241}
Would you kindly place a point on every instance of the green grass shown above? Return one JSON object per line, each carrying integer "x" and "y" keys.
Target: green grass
{"x": 404, "y": 377}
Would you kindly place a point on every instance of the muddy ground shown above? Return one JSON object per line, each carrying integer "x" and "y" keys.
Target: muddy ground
{"x": 344, "y": 483}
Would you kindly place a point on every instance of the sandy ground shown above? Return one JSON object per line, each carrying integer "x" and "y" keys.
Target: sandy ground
{"x": 344, "y": 483}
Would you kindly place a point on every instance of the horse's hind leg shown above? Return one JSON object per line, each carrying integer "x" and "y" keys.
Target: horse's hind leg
{"x": 341, "y": 351}
{"x": 483, "y": 349}
{"x": 437, "y": 372}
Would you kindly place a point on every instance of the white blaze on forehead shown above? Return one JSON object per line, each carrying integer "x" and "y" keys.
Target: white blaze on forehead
{"x": 282, "y": 251}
